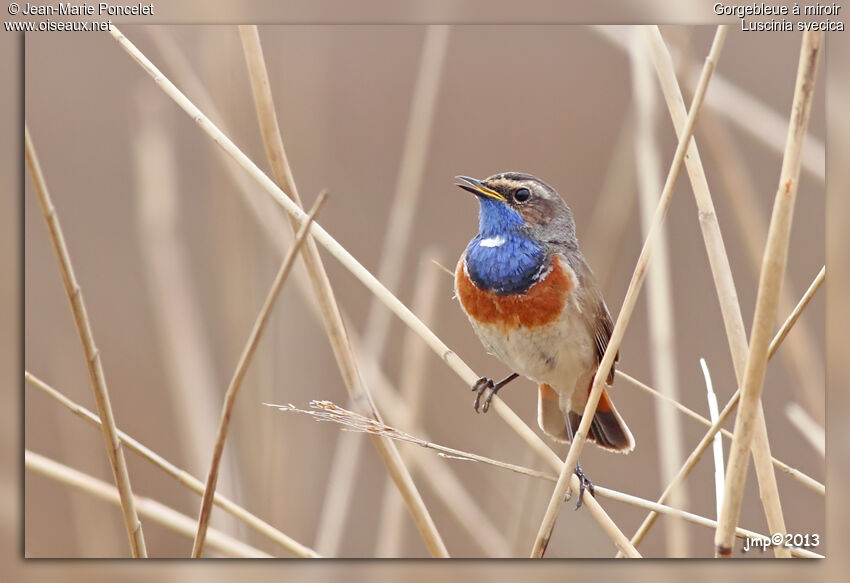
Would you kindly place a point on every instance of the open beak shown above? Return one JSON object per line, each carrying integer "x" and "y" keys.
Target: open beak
{"x": 478, "y": 188}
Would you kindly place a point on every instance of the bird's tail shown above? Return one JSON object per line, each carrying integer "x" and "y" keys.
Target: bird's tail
{"x": 607, "y": 430}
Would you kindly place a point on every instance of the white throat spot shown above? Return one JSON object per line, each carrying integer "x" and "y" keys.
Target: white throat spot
{"x": 493, "y": 241}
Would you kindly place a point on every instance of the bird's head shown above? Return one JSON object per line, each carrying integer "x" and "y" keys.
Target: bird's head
{"x": 517, "y": 204}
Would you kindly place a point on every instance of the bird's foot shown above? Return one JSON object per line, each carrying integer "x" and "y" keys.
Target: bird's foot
{"x": 484, "y": 384}
{"x": 481, "y": 385}
{"x": 584, "y": 483}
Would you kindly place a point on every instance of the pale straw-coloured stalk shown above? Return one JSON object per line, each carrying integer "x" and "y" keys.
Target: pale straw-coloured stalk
{"x": 95, "y": 368}
{"x": 150, "y": 509}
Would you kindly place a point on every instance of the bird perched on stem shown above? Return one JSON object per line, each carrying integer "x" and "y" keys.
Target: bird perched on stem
{"x": 534, "y": 303}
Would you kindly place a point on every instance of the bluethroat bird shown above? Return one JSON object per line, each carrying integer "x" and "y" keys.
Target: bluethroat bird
{"x": 534, "y": 303}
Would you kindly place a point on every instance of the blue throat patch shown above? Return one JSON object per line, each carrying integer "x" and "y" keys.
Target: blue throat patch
{"x": 508, "y": 262}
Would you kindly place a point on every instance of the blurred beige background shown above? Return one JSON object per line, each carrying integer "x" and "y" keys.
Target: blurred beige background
{"x": 549, "y": 100}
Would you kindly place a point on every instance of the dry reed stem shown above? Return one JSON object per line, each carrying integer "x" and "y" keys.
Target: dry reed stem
{"x": 740, "y": 107}
{"x": 795, "y": 474}
{"x": 331, "y": 315}
{"x": 801, "y": 356}
{"x": 413, "y": 367}
{"x": 351, "y": 421}
{"x": 798, "y": 309}
{"x": 448, "y": 356}
{"x": 770, "y": 282}
{"x": 150, "y": 509}
{"x": 706, "y": 440}
{"x": 417, "y": 140}
{"x": 807, "y": 426}
{"x": 239, "y": 375}
{"x": 659, "y": 293}
{"x": 93, "y": 364}
{"x": 722, "y": 274}
{"x": 179, "y": 474}
{"x": 552, "y": 511}
{"x": 393, "y": 251}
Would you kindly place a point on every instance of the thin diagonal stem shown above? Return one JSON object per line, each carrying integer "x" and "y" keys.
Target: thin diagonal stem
{"x": 239, "y": 375}
{"x": 95, "y": 368}
{"x": 150, "y": 509}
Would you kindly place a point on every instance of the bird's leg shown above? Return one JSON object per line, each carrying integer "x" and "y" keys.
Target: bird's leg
{"x": 484, "y": 384}
{"x": 584, "y": 482}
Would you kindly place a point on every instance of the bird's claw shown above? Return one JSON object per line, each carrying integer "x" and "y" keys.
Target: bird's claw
{"x": 584, "y": 483}
{"x": 481, "y": 385}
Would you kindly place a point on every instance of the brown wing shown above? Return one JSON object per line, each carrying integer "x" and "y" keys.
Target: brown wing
{"x": 594, "y": 311}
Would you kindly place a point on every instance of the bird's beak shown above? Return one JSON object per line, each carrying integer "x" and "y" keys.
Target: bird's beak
{"x": 478, "y": 188}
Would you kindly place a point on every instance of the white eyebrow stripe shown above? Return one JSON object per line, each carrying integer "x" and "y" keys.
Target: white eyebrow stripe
{"x": 493, "y": 241}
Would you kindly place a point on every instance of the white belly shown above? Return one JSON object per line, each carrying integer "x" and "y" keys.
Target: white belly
{"x": 560, "y": 354}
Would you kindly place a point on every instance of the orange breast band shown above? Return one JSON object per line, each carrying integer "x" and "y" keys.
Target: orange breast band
{"x": 540, "y": 305}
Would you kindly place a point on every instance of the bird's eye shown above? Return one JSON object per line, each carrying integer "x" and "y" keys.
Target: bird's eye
{"x": 522, "y": 195}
